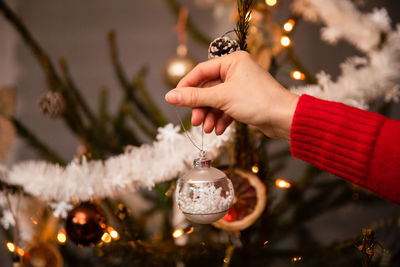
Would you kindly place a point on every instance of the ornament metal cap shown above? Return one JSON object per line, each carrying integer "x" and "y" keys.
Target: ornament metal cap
{"x": 202, "y": 162}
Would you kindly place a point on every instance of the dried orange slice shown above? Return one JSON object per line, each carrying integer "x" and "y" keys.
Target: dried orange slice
{"x": 249, "y": 203}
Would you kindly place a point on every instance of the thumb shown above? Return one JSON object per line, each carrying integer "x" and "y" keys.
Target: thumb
{"x": 195, "y": 97}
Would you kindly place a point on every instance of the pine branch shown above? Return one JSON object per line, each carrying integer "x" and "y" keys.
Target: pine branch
{"x": 53, "y": 80}
{"x": 75, "y": 92}
{"x": 136, "y": 118}
{"x": 45, "y": 151}
{"x": 124, "y": 82}
{"x": 125, "y": 135}
{"x": 52, "y": 77}
{"x": 242, "y": 24}
{"x": 138, "y": 83}
{"x": 103, "y": 108}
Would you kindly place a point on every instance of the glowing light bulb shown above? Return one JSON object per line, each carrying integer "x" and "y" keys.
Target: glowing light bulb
{"x": 297, "y": 75}
{"x": 282, "y": 183}
{"x": 177, "y": 233}
{"x": 288, "y": 26}
{"x": 113, "y": 233}
{"x": 271, "y": 2}
{"x": 285, "y": 41}
{"x": 20, "y": 252}
{"x": 191, "y": 230}
{"x": 296, "y": 259}
{"x": 10, "y": 246}
{"x": 255, "y": 169}
{"x": 106, "y": 238}
{"x": 61, "y": 236}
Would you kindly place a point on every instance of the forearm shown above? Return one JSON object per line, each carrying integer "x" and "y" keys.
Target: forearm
{"x": 350, "y": 143}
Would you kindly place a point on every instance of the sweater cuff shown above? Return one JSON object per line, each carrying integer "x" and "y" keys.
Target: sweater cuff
{"x": 334, "y": 137}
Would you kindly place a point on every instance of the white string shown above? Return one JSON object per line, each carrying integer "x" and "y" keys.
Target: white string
{"x": 202, "y": 152}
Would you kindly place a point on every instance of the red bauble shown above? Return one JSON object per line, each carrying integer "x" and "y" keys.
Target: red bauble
{"x": 85, "y": 224}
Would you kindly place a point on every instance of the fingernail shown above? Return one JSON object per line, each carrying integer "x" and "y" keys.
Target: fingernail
{"x": 173, "y": 97}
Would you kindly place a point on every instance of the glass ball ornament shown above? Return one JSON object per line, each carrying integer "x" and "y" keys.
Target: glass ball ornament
{"x": 204, "y": 194}
{"x": 177, "y": 67}
{"x": 85, "y": 224}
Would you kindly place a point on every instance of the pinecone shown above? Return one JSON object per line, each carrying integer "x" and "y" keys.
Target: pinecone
{"x": 222, "y": 46}
{"x": 52, "y": 105}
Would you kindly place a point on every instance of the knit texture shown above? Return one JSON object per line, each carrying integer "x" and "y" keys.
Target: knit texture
{"x": 359, "y": 146}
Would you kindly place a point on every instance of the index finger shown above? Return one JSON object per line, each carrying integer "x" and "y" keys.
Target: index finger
{"x": 205, "y": 71}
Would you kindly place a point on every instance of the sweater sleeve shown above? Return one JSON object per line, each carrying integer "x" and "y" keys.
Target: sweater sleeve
{"x": 360, "y": 146}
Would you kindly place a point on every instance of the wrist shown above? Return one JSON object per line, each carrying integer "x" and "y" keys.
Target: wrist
{"x": 281, "y": 116}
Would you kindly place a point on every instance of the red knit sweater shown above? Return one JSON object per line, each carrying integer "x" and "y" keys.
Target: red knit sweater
{"x": 360, "y": 146}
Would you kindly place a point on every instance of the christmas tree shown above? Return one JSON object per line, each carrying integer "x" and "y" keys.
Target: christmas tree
{"x": 113, "y": 203}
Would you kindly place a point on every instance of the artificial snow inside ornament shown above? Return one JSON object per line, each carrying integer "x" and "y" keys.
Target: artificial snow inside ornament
{"x": 222, "y": 46}
{"x": 204, "y": 194}
{"x": 85, "y": 224}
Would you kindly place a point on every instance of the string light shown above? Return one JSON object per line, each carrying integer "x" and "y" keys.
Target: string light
{"x": 255, "y": 169}
{"x": 191, "y": 230}
{"x": 177, "y": 233}
{"x": 271, "y": 2}
{"x": 20, "y": 252}
{"x": 282, "y": 183}
{"x": 10, "y": 246}
{"x": 106, "y": 238}
{"x": 61, "y": 236}
{"x": 285, "y": 41}
{"x": 113, "y": 233}
{"x": 297, "y": 75}
{"x": 296, "y": 259}
{"x": 266, "y": 242}
{"x": 288, "y": 26}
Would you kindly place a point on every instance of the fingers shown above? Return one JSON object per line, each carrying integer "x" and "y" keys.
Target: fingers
{"x": 198, "y": 115}
{"x": 223, "y": 122}
{"x": 205, "y": 71}
{"x": 211, "y": 120}
{"x": 197, "y": 97}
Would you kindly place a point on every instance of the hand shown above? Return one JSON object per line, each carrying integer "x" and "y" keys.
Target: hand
{"x": 235, "y": 87}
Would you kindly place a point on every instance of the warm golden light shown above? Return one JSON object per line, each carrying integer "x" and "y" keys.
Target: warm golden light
{"x": 20, "y": 252}
{"x": 33, "y": 220}
{"x": 177, "y": 233}
{"x": 249, "y": 16}
{"x": 285, "y": 41}
{"x": 271, "y": 2}
{"x": 282, "y": 183}
{"x": 191, "y": 230}
{"x": 254, "y": 169}
{"x": 266, "y": 242}
{"x": 114, "y": 234}
{"x": 295, "y": 259}
{"x": 61, "y": 236}
{"x": 10, "y": 246}
{"x": 297, "y": 75}
{"x": 80, "y": 218}
{"x": 288, "y": 26}
{"x": 106, "y": 238}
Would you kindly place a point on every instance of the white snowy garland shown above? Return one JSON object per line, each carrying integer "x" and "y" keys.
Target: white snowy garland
{"x": 169, "y": 155}
{"x": 363, "y": 79}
